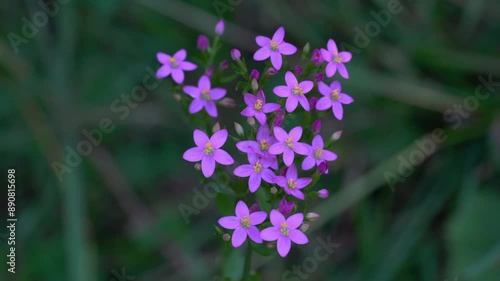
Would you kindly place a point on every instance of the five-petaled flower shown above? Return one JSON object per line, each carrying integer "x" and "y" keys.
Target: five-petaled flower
{"x": 288, "y": 144}
{"x": 208, "y": 151}
{"x": 294, "y": 92}
{"x": 291, "y": 182}
{"x": 257, "y": 170}
{"x": 261, "y": 146}
{"x": 335, "y": 60}
{"x": 285, "y": 231}
{"x": 257, "y": 106}
{"x": 332, "y": 97}
{"x": 244, "y": 223}
{"x": 174, "y": 65}
{"x": 204, "y": 96}
{"x": 317, "y": 155}
{"x": 274, "y": 48}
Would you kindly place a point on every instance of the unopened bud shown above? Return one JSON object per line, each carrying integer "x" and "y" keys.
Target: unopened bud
{"x": 239, "y": 129}
{"x": 254, "y": 208}
{"x": 251, "y": 121}
{"x": 197, "y": 166}
{"x": 322, "y": 168}
{"x": 216, "y": 127}
{"x": 298, "y": 70}
{"x": 254, "y": 74}
{"x": 306, "y": 49}
{"x": 224, "y": 65}
{"x": 312, "y": 216}
{"x": 227, "y": 102}
{"x": 271, "y": 245}
{"x": 235, "y": 54}
{"x": 274, "y": 190}
{"x": 203, "y": 43}
{"x": 304, "y": 227}
{"x": 319, "y": 77}
{"x": 335, "y": 136}
{"x": 278, "y": 121}
{"x": 255, "y": 84}
{"x": 323, "y": 193}
{"x": 271, "y": 71}
{"x": 226, "y": 237}
{"x": 177, "y": 97}
{"x": 219, "y": 28}
{"x": 283, "y": 172}
{"x": 316, "y": 126}
{"x": 210, "y": 71}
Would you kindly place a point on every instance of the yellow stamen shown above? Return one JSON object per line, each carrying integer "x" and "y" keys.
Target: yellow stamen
{"x": 297, "y": 90}
{"x": 258, "y": 105}
{"x": 289, "y": 143}
{"x": 245, "y": 222}
{"x": 274, "y": 46}
{"x": 337, "y": 59}
{"x": 209, "y": 150}
{"x": 264, "y": 146}
{"x": 205, "y": 95}
{"x": 318, "y": 154}
{"x": 291, "y": 184}
{"x": 335, "y": 95}
{"x": 173, "y": 62}
{"x": 258, "y": 167}
{"x": 284, "y": 229}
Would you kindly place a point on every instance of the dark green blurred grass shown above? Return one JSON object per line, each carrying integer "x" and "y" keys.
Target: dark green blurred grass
{"x": 120, "y": 208}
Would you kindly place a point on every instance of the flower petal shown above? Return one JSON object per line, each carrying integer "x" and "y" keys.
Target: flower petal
{"x": 217, "y": 93}
{"x": 284, "y": 244}
{"x": 254, "y": 234}
{"x": 345, "y": 56}
{"x": 292, "y": 173}
{"x": 308, "y": 163}
{"x": 239, "y": 236}
{"x": 270, "y": 107}
{"x": 324, "y": 103}
{"x": 163, "y": 58}
{"x": 267, "y": 175}
{"x": 248, "y": 111}
{"x": 306, "y": 86}
{"x": 187, "y": 66}
{"x": 229, "y": 222}
{"x": 287, "y": 49}
{"x": 270, "y": 234}
{"x": 296, "y": 133}
{"x": 222, "y": 157}
{"x": 276, "y": 60}
{"x": 204, "y": 83}
{"x": 208, "y": 166}
{"x": 288, "y": 156}
{"x": 326, "y": 55}
{"x": 191, "y": 91}
{"x": 262, "y": 54}
{"x": 241, "y": 209}
{"x": 178, "y": 75}
{"x": 331, "y": 68}
{"x": 337, "y": 109}
{"x": 345, "y": 99}
{"x": 318, "y": 142}
{"x": 180, "y": 55}
{"x": 194, "y": 154}
{"x": 254, "y": 182}
{"x": 163, "y": 71}
{"x": 290, "y": 79}
{"x": 261, "y": 117}
{"x": 281, "y": 91}
{"x": 295, "y": 220}
{"x": 297, "y": 194}
{"x": 276, "y": 218}
{"x": 249, "y": 99}
{"x": 195, "y": 106}
{"x": 262, "y": 41}
{"x": 277, "y": 148}
{"x": 329, "y": 156}
{"x": 281, "y": 181}
{"x": 279, "y": 35}
{"x": 324, "y": 89}
{"x": 200, "y": 138}
{"x": 243, "y": 171}
{"x": 298, "y": 237}
{"x": 303, "y": 182}
{"x": 211, "y": 108}
{"x": 304, "y": 102}
{"x": 280, "y": 134}
{"x": 257, "y": 217}
{"x": 301, "y": 148}
{"x": 291, "y": 103}
{"x": 332, "y": 46}
{"x": 343, "y": 70}
{"x": 219, "y": 138}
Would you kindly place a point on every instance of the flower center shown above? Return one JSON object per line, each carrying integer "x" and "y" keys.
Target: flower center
{"x": 335, "y": 95}
{"x": 336, "y": 58}
{"x": 245, "y": 222}
{"x": 274, "y": 46}
{"x": 284, "y": 229}
{"x": 173, "y": 62}
{"x": 297, "y": 90}
{"x": 258, "y": 105}
{"x": 209, "y": 150}
{"x": 318, "y": 153}
{"x": 205, "y": 95}
{"x": 258, "y": 167}
{"x": 291, "y": 184}
{"x": 288, "y": 142}
{"x": 264, "y": 146}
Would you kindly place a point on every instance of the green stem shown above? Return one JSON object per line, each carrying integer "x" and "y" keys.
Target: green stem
{"x": 248, "y": 261}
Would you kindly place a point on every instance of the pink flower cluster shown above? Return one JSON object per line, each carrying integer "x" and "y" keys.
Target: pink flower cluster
{"x": 273, "y": 152}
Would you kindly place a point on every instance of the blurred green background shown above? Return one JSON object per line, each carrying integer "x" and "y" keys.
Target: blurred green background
{"x": 118, "y": 210}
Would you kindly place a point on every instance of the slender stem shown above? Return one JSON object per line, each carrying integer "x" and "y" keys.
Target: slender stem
{"x": 248, "y": 261}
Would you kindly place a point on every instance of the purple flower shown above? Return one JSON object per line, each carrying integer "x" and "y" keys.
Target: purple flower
{"x": 257, "y": 170}
{"x": 274, "y": 48}
{"x": 288, "y": 144}
{"x": 316, "y": 126}
{"x": 335, "y": 60}
{"x": 291, "y": 183}
{"x": 333, "y": 98}
{"x": 208, "y": 151}
{"x": 257, "y": 106}
{"x": 285, "y": 231}
{"x": 316, "y": 57}
{"x": 174, "y": 65}
{"x": 235, "y": 54}
{"x": 254, "y": 74}
{"x": 202, "y": 43}
{"x": 285, "y": 207}
{"x": 219, "y": 28}
{"x": 261, "y": 146}
{"x": 204, "y": 96}
{"x": 323, "y": 193}
{"x": 317, "y": 154}
{"x": 244, "y": 223}
{"x": 294, "y": 92}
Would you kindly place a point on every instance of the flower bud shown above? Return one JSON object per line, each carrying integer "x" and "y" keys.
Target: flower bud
{"x": 254, "y": 74}
{"x": 323, "y": 193}
{"x": 177, "y": 97}
{"x": 210, "y": 71}
{"x": 316, "y": 57}
{"x": 298, "y": 70}
{"x": 312, "y": 216}
{"x": 239, "y": 129}
{"x": 285, "y": 207}
{"x": 203, "y": 43}
{"x": 216, "y": 127}
{"x": 307, "y": 48}
{"x": 224, "y": 65}
{"x": 335, "y": 136}
{"x": 254, "y": 84}
{"x": 254, "y": 208}
{"x": 304, "y": 227}
{"x": 319, "y": 77}
{"x": 322, "y": 168}
{"x": 274, "y": 190}
{"x": 197, "y": 166}
{"x": 271, "y": 245}
{"x": 278, "y": 121}
{"x": 271, "y": 71}
{"x": 283, "y": 172}
{"x": 226, "y": 237}
{"x": 316, "y": 126}
{"x": 235, "y": 54}
{"x": 219, "y": 27}
{"x": 251, "y": 121}
{"x": 227, "y": 102}
{"x": 280, "y": 112}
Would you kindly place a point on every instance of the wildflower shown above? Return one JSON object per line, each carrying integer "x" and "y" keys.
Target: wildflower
{"x": 285, "y": 231}
{"x": 323, "y": 193}
{"x": 235, "y": 54}
{"x": 174, "y": 65}
{"x": 291, "y": 183}
{"x": 334, "y": 98}
{"x": 274, "y": 48}
{"x": 316, "y": 126}
{"x": 288, "y": 144}
{"x": 294, "y": 92}
{"x": 316, "y": 57}
{"x": 317, "y": 154}
{"x": 261, "y": 146}
{"x": 285, "y": 207}
{"x": 257, "y": 106}
{"x": 208, "y": 151}
{"x": 202, "y": 43}
{"x": 219, "y": 28}
{"x": 243, "y": 224}
{"x": 204, "y": 96}
{"x": 335, "y": 60}
{"x": 257, "y": 170}
{"x": 254, "y": 74}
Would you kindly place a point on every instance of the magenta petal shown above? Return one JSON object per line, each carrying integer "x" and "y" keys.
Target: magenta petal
{"x": 277, "y": 148}
{"x": 308, "y": 163}
{"x": 331, "y": 68}
{"x": 326, "y": 55}
{"x": 336, "y": 85}
{"x": 270, "y": 234}
{"x": 249, "y": 99}
{"x": 239, "y": 236}
{"x": 297, "y": 194}
{"x": 284, "y": 244}
{"x": 208, "y": 166}
{"x": 254, "y": 234}
{"x": 243, "y": 171}
{"x": 204, "y": 83}
{"x": 301, "y": 148}
{"x": 229, "y": 222}
{"x": 195, "y": 106}
{"x": 281, "y": 91}
{"x": 296, "y": 133}
{"x": 187, "y": 66}
{"x": 267, "y": 175}
{"x": 318, "y": 142}
{"x": 304, "y": 102}
{"x": 280, "y": 134}
{"x": 254, "y": 182}
{"x": 200, "y": 138}
{"x": 303, "y": 182}
{"x": 262, "y": 41}
{"x": 345, "y": 56}
{"x": 292, "y": 172}
{"x": 298, "y": 237}
{"x": 295, "y": 220}
{"x": 219, "y": 138}
{"x": 324, "y": 103}
{"x": 261, "y": 96}
{"x": 217, "y": 93}
{"x": 332, "y": 46}
{"x": 343, "y": 70}
{"x": 192, "y": 91}
{"x": 241, "y": 209}
{"x": 276, "y": 60}
{"x": 337, "y": 109}
{"x": 306, "y": 86}
{"x": 178, "y": 75}
{"x": 223, "y": 157}
{"x": 329, "y": 156}
{"x": 257, "y": 217}
{"x": 270, "y": 107}
{"x": 287, "y": 49}
{"x": 248, "y": 111}
{"x": 291, "y": 103}
{"x": 288, "y": 156}
{"x": 279, "y": 35}
{"x": 163, "y": 58}
{"x": 345, "y": 99}
{"x": 262, "y": 54}
{"x": 180, "y": 55}
{"x": 163, "y": 71}
{"x": 281, "y": 181}
{"x": 261, "y": 117}
{"x": 194, "y": 154}
{"x": 290, "y": 79}
{"x": 276, "y": 218}
{"x": 324, "y": 89}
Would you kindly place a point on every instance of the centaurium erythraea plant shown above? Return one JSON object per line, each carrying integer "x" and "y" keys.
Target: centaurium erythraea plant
{"x": 278, "y": 152}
